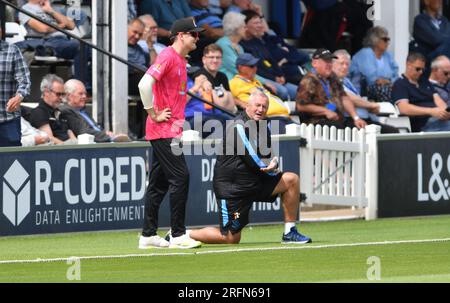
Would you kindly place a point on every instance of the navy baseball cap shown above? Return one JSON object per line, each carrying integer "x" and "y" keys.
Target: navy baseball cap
{"x": 246, "y": 59}
{"x": 324, "y": 54}
{"x": 185, "y": 25}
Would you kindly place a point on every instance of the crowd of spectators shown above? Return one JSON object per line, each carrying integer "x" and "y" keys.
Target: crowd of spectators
{"x": 237, "y": 52}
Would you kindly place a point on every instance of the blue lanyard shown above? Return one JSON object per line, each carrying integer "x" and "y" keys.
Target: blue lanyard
{"x": 325, "y": 85}
{"x": 348, "y": 84}
{"x": 326, "y": 88}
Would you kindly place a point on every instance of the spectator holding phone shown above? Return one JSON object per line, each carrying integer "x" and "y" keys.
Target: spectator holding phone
{"x": 418, "y": 99}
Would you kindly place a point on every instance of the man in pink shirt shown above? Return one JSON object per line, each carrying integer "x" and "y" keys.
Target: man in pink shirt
{"x": 163, "y": 92}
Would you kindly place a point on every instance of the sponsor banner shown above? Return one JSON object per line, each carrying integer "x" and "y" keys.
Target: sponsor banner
{"x": 202, "y": 206}
{"x": 414, "y": 177}
{"x": 71, "y": 190}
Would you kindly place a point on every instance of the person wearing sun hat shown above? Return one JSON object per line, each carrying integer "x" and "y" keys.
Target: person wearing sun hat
{"x": 163, "y": 92}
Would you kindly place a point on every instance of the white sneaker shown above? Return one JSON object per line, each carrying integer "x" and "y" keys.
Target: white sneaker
{"x": 151, "y": 242}
{"x": 184, "y": 242}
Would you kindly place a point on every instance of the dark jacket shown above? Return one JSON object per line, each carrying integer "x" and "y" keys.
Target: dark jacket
{"x": 267, "y": 66}
{"x": 427, "y": 35}
{"x": 80, "y": 126}
{"x": 246, "y": 149}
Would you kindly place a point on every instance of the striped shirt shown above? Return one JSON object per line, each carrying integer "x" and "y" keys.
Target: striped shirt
{"x": 14, "y": 78}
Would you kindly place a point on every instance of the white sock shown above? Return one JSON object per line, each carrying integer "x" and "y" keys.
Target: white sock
{"x": 288, "y": 226}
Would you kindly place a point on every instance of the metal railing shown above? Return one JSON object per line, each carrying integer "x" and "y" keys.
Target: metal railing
{"x": 83, "y": 43}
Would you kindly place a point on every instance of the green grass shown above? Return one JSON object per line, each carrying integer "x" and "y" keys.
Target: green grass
{"x": 406, "y": 262}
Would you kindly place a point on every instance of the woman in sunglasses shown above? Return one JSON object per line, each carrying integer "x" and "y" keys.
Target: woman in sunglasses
{"x": 373, "y": 68}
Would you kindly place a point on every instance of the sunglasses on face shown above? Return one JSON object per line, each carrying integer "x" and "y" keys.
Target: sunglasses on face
{"x": 193, "y": 34}
{"x": 386, "y": 39}
{"x": 62, "y": 94}
{"x": 419, "y": 69}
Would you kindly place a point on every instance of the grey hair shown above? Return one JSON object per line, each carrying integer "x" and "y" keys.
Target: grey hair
{"x": 48, "y": 80}
{"x": 71, "y": 85}
{"x": 257, "y": 93}
{"x": 145, "y": 17}
{"x": 438, "y": 62}
{"x": 343, "y": 52}
{"x": 232, "y": 21}
{"x": 373, "y": 36}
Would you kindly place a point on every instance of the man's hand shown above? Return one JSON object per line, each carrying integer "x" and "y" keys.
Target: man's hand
{"x": 280, "y": 80}
{"x": 13, "y": 104}
{"x": 41, "y": 139}
{"x": 360, "y": 123}
{"x": 45, "y": 5}
{"x": 382, "y": 81}
{"x": 272, "y": 167}
{"x": 374, "y": 108}
{"x": 271, "y": 87}
{"x": 440, "y": 113}
{"x": 331, "y": 115}
{"x": 160, "y": 116}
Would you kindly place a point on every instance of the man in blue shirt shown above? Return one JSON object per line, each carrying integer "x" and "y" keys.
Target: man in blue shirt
{"x": 204, "y": 18}
{"x": 165, "y": 13}
{"x": 432, "y": 31}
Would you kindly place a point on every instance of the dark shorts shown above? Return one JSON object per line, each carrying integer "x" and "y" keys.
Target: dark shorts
{"x": 234, "y": 213}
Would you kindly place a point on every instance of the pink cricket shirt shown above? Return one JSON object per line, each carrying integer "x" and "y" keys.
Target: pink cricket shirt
{"x": 169, "y": 91}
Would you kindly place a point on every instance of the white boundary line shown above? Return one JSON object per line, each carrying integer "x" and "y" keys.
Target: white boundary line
{"x": 224, "y": 251}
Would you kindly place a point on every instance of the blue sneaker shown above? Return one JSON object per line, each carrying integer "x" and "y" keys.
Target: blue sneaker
{"x": 294, "y": 237}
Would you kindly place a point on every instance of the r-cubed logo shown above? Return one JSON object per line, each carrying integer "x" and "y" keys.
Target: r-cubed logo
{"x": 16, "y": 193}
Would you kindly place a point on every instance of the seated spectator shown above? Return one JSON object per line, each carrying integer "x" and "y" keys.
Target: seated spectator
{"x": 375, "y": 66}
{"x": 288, "y": 58}
{"x": 440, "y": 76}
{"x": 267, "y": 67}
{"x": 136, "y": 55}
{"x": 78, "y": 120}
{"x": 238, "y": 6}
{"x": 219, "y": 7}
{"x": 210, "y": 22}
{"x": 45, "y": 40}
{"x": 431, "y": 31}
{"x": 165, "y": 13}
{"x": 149, "y": 41}
{"x": 321, "y": 97}
{"x": 211, "y": 85}
{"x": 132, "y": 11}
{"x": 234, "y": 32}
{"x": 364, "y": 109}
{"x": 245, "y": 82}
{"x": 418, "y": 99}
{"x": 47, "y": 117}
{"x": 220, "y": 93}
{"x": 198, "y": 113}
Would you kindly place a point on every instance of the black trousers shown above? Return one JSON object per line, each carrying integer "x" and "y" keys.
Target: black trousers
{"x": 169, "y": 173}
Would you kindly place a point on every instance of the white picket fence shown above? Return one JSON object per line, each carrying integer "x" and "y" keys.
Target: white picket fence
{"x": 339, "y": 167}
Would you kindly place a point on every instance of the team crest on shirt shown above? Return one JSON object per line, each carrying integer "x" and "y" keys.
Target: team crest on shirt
{"x": 183, "y": 88}
{"x": 236, "y": 215}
